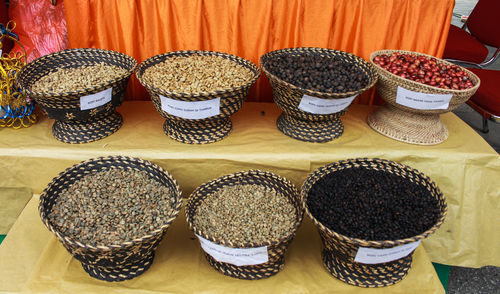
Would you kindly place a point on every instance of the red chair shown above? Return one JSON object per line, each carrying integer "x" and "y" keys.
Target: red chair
{"x": 486, "y": 101}
{"x": 484, "y": 27}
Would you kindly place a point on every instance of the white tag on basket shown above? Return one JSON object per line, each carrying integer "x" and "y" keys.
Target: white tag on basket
{"x": 423, "y": 101}
{"x": 96, "y": 100}
{"x": 373, "y": 256}
{"x": 324, "y": 106}
{"x": 236, "y": 256}
{"x": 191, "y": 110}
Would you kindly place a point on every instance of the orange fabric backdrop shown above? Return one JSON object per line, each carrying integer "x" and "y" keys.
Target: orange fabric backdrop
{"x": 250, "y": 28}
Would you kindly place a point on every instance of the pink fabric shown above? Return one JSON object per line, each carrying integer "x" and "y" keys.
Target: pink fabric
{"x": 41, "y": 26}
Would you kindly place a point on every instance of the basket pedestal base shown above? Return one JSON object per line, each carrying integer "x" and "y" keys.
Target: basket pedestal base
{"x": 122, "y": 273}
{"x": 367, "y": 275}
{"x": 310, "y": 131}
{"x": 249, "y": 272}
{"x": 77, "y": 132}
{"x": 408, "y": 127}
{"x": 197, "y": 132}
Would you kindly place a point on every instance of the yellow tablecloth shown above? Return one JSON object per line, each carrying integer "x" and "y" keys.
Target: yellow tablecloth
{"x": 465, "y": 167}
{"x": 12, "y": 202}
{"x": 33, "y": 260}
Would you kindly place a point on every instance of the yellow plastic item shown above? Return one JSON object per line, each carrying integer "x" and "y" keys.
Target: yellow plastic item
{"x": 15, "y": 109}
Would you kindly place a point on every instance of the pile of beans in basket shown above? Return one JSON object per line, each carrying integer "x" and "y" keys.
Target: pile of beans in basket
{"x": 197, "y": 73}
{"x": 111, "y": 207}
{"x": 329, "y": 74}
{"x": 77, "y": 79}
{"x": 245, "y": 213}
{"x": 372, "y": 205}
{"x": 425, "y": 70}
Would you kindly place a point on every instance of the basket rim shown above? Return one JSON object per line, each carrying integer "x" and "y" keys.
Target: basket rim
{"x": 362, "y": 242}
{"x": 151, "y": 235}
{"x": 299, "y": 213}
{"x": 414, "y": 83}
{"x": 326, "y": 95}
{"x": 143, "y": 66}
{"x": 40, "y": 95}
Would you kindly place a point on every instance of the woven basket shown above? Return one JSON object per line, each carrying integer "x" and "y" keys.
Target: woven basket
{"x": 303, "y": 125}
{"x": 339, "y": 250}
{"x": 406, "y": 124}
{"x": 199, "y": 131}
{"x": 276, "y": 248}
{"x": 65, "y": 107}
{"x": 116, "y": 262}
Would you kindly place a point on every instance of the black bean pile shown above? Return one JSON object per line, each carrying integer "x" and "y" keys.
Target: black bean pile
{"x": 329, "y": 74}
{"x": 372, "y": 205}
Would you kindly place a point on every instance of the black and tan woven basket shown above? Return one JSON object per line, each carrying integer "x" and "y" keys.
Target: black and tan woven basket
{"x": 87, "y": 125}
{"x": 303, "y": 125}
{"x": 406, "y": 124}
{"x": 339, "y": 250}
{"x": 199, "y": 131}
{"x": 114, "y": 262}
{"x": 276, "y": 248}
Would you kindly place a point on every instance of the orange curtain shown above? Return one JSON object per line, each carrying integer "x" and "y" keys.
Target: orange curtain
{"x": 250, "y": 28}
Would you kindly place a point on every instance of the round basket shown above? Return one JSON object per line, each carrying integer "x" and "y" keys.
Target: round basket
{"x": 116, "y": 262}
{"x": 65, "y": 107}
{"x": 410, "y": 125}
{"x": 303, "y": 125}
{"x": 205, "y": 130}
{"x": 339, "y": 251}
{"x": 276, "y": 249}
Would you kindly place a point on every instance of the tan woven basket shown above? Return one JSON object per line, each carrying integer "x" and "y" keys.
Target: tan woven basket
{"x": 406, "y": 124}
{"x": 339, "y": 250}
{"x": 276, "y": 248}
{"x": 303, "y": 125}
{"x": 387, "y": 84}
{"x": 199, "y": 131}
{"x": 113, "y": 262}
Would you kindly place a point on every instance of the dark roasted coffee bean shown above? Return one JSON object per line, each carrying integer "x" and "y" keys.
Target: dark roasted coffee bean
{"x": 372, "y": 205}
{"x": 318, "y": 73}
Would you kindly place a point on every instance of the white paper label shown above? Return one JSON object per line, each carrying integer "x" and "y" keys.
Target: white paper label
{"x": 372, "y": 256}
{"x": 236, "y": 256}
{"x": 191, "y": 110}
{"x": 324, "y": 106}
{"x": 423, "y": 101}
{"x": 96, "y": 100}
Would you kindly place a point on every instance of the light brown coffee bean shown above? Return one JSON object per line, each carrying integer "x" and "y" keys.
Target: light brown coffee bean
{"x": 77, "y": 79}
{"x": 197, "y": 73}
{"x": 245, "y": 213}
